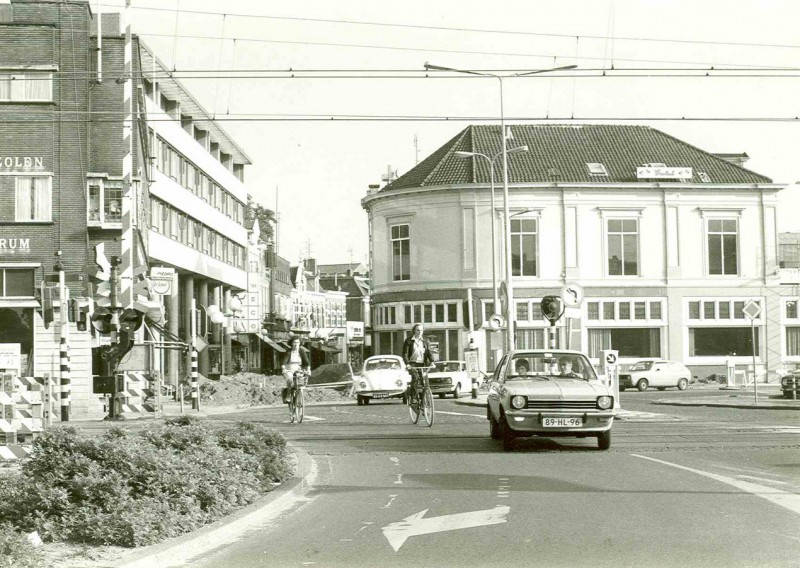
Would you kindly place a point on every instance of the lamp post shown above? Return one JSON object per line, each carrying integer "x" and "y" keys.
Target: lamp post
{"x": 510, "y": 308}
{"x": 460, "y": 154}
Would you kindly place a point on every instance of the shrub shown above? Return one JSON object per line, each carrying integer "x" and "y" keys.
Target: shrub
{"x": 133, "y": 489}
{"x": 16, "y": 551}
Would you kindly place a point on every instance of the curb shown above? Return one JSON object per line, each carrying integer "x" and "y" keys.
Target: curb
{"x": 178, "y": 550}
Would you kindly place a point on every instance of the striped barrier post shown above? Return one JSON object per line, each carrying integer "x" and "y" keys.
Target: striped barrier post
{"x": 194, "y": 370}
{"x": 64, "y": 365}
{"x": 126, "y": 243}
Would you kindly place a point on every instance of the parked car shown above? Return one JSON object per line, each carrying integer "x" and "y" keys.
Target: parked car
{"x": 791, "y": 384}
{"x": 382, "y": 376}
{"x": 448, "y": 377}
{"x": 659, "y": 374}
{"x": 537, "y": 393}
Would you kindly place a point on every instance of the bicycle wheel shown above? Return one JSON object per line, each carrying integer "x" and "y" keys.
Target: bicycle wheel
{"x": 427, "y": 406}
{"x": 299, "y": 406}
{"x": 413, "y": 406}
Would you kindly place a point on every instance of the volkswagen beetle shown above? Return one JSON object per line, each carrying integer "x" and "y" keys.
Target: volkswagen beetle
{"x": 549, "y": 393}
{"x": 382, "y": 376}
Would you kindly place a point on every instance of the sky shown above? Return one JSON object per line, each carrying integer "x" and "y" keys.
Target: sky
{"x": 361, "y": 58}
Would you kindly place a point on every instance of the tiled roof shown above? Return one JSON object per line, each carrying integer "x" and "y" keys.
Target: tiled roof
{"x": 340, "y": 268}
{"x": 560, "y": 153}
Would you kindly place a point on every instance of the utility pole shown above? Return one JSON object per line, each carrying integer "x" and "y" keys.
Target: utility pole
{"x": 63, "y": 297}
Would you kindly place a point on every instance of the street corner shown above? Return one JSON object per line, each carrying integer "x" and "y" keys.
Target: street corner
{"x": 480, "y": 401}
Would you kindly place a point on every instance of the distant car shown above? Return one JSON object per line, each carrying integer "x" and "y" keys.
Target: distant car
{"x": 548, "y": 398}
{"x": 659, "y": 374}
{"x": 448, "y": 377}
{"x": 382, "y": 376}
{"x": 791, "y": 384}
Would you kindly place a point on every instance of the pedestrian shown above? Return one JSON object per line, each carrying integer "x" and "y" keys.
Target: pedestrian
{"x": 294, "y": 360}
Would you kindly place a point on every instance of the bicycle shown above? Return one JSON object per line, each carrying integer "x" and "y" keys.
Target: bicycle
{"x": 419, "y": 396}
{"x": 296, "y": 397}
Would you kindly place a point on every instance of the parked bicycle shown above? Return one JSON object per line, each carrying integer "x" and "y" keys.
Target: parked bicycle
{"x": 296, "y": 396}
{"x": 419, "y": 397}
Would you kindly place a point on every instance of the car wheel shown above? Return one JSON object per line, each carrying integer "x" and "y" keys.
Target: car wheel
{"x": 683, "y": 384}
{"x": 441, "y": 395}
{"x": 494, "y": 428}
{"x": 405, "y": 398}
{"x": 621, "y": 388}
{"x": 642, "y": 385}
{"x": 366, "y": 400}
{"x": 507, "y": 435}
{"x": 360, "y": 400}
{"x": 456, "y": 391}
{"x": 604, "y": 440}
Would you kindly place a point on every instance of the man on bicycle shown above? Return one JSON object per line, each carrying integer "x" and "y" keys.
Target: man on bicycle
{"x": 416, "y": 354}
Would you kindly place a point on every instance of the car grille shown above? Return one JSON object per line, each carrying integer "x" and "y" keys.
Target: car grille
{"x": 562, "y": 404}
{"x": 440, "y": 382}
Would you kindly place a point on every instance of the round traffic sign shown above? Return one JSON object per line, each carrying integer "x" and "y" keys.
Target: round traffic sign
{"x": 572, "y": 294}
{"x": 160, "y": 287}
{"x": 611, "y": 359}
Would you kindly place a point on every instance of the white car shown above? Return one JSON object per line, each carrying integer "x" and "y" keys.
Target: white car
{"x": 382, "y": 376}
{"x": 448, "y": 377}
{"x": 659, "y": 374}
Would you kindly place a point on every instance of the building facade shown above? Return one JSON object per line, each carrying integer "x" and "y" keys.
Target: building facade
{"x": 666, "y": 241}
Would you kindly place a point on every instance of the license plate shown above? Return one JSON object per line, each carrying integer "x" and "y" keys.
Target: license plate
{"x": 382, "y": 395}
{"x": 553, "y": 422}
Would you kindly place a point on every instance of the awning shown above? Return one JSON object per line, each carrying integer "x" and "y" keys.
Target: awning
{"x": 329, "y": 349}
{"x": 276, "y": 346}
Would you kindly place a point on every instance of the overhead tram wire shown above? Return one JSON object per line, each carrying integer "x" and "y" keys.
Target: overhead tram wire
{"x": 459, "y": 29}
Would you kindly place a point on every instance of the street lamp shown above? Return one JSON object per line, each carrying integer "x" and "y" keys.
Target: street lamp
{"x": 464, "y": 155}
{"x": 510, "y": 308}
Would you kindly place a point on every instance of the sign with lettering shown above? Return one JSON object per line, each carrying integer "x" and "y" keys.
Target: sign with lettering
{"x": 22, "y": 163}
{"x": 663, "y": 172}
{"x": 10, "y": 357}
{"x": 355, "y": 330}
{"x": 14, "y": 245}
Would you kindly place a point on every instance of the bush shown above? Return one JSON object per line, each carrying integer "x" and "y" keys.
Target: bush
{"x": 16, "y": 551}
{"x": 131, "y": 489}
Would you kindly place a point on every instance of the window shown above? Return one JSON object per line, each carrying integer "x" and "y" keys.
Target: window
{"x": 630, "y": 342}
{"x": 17, "y": 282}
{"x": 791, "y": 309}
{"x": 401, "y": 256}
{"x": 722, "y": 238}
{"x": 29, "y": 87}
{"x": 523, "y": 311}
{"x": 793, "y": 341}
{"x": 452, "y": 315}
{"x": 33, "y": 201}
{"x": 623, "y": 247}
{"x": 524, "y": 234}
{"x": 597, "y": 169}
{"x": 104, "y": 201}
{"x": 721, "y": 341}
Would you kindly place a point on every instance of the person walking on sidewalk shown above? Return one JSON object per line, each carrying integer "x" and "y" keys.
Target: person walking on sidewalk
{"x": 294, "y": 360}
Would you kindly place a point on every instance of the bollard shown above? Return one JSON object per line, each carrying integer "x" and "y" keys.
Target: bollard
{"x": 793, "y": 383}
{"x": 180, "y": 396}
{"x": 474, "y": 387}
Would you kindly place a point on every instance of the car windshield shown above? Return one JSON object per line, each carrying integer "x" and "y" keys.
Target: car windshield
{"x": 547, "y": 366}
{"x": 642, "y": 366}
{"x": 445, "y": 367}
{"x": 379, "y": 364}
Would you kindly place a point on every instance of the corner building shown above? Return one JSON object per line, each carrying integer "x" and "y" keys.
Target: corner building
{"x": 667, "y": 241}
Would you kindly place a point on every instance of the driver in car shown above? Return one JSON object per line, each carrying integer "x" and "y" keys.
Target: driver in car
{"x": 522, "y": 368}
{"x": 565, "y": 368}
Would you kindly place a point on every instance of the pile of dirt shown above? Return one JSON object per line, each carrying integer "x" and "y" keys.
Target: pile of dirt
{"x": 254, "y": 389}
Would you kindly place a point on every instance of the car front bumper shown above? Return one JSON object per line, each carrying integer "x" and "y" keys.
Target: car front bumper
{"x": 381, "y": 393}
{"x": 532, "y": 422}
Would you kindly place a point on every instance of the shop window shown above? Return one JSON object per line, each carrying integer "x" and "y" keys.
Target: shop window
{"x": 630, "y": 342}
{"x": 793, "y": 341}
{"x": 721, "y": 341}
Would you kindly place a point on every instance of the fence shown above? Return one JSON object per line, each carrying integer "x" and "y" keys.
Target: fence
{"x": 26, "y": 409}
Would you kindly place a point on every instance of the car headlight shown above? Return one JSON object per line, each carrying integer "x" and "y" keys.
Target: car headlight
{"x": 604, "y": 402}
{"x": 399, "y": 382}
{"x": 518, "y": 402}
{"x": 362, "y": 384}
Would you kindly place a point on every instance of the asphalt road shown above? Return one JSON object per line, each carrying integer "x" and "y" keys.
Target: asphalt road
{"x": 680, "y": 486}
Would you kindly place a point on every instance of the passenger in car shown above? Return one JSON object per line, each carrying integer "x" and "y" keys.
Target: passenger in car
{"x": 565, "y": 368}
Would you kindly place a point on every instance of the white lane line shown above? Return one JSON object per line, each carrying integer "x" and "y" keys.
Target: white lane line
{"x": 460, "y": 414}
{"x": 762, "y": 479}
{"x": 783, "y": 499}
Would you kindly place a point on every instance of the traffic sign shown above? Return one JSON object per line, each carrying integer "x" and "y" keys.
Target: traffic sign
{"x": 611, "y": 358}
{"x": 752, "y": 309}
{"x": 572, "y": 294}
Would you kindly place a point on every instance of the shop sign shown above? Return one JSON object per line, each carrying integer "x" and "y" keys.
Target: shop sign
{"x": 15, "y": 245}
{"x": 355, "y": 330}
{"x": 663, "y": 172}
{"x": 21, "y": 163}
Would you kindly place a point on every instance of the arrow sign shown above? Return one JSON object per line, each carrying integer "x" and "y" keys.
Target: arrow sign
{"x": 415, "y": 525}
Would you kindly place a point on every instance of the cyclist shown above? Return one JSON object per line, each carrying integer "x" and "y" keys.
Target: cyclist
{"x": 294, "y": 360}
{"x": 416, "y": 354}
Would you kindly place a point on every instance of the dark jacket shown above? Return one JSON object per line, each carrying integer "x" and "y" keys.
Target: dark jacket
{"x": 408, "y": 350}
{"x": 304, "y": 360}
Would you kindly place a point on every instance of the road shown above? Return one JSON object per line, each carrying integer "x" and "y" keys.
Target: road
{"x": 680, "y": 486}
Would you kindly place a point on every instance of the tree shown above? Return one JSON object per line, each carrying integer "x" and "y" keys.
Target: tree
{"x": 265, "y": 217}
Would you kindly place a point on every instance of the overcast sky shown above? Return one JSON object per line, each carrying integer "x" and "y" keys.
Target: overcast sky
{"x": 321, "y": 169}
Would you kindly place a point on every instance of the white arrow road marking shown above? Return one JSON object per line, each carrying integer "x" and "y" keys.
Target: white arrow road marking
{"x": 415, "y": 525}
{"x": 784, "y": 499}
{"x": 460, "y": 414}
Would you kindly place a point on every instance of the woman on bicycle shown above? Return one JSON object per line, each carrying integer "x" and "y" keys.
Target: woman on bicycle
{"x": 294, "y": 360}
{"x": 416, "y": 353}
